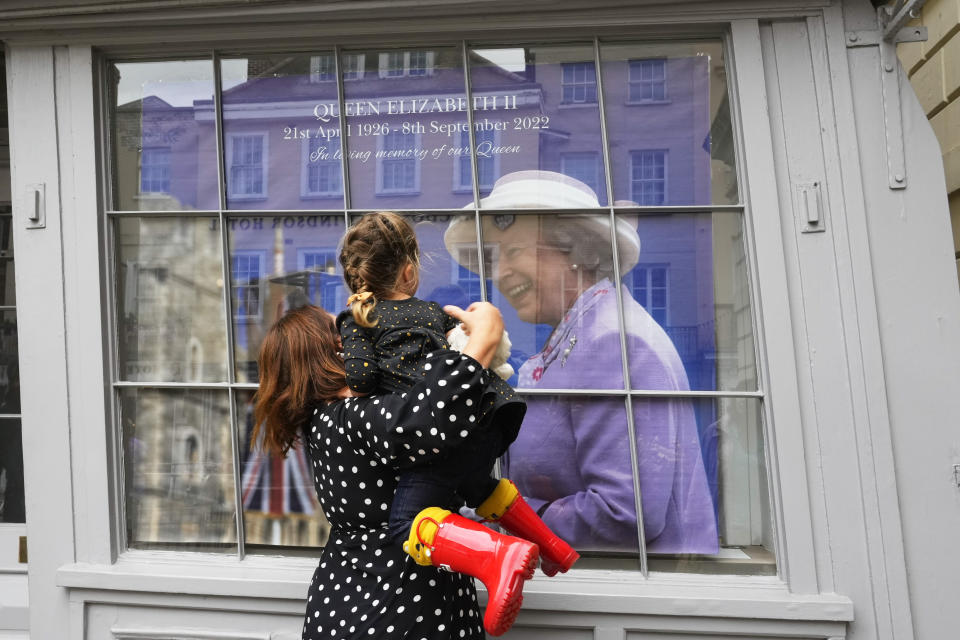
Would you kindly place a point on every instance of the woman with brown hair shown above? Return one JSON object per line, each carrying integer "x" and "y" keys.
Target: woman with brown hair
{"x": 365, "y": 585}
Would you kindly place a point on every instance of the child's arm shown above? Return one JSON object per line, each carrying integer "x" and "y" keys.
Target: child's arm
{"x": 359, "y": 358}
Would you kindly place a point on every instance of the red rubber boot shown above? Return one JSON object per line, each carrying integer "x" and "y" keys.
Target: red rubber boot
{"x": 519, "y": 519}
{"x": 502, "y": 563}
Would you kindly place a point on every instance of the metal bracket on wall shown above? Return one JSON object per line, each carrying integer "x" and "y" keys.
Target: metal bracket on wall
{"x": 889, "y": 33}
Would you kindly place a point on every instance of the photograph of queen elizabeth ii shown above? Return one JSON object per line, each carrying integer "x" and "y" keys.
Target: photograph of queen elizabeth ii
{"x": 572, "y": 458}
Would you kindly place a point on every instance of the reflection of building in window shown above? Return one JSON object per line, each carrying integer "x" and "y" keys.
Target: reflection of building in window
{"x": 466, "y": 267}
{"x": 648, "y": 177}
{"x": 178, "y": 466}
{"x": 247, "y": 169}
{"x": 397, "y": 64}
{"x": 323, "y": 67}
{"x": 579, "y": 82}
{"x": 352, "y": 65}
{"x": 649, "y": 288}
{"x": 584, "y": 166}
{"x": 647, "y": 81}
{"x": 325, "y": 285}
{"x": 321, "y": 175}
{"x": 149, "y": 311}
{"x": 488, "y": 165}
{"x": 418, "y": 64}
{"x": 155, "y": 170}
{"x": 185, "y": 465}
{"x": 397, "y": 173}
{"x": 195, "y": 360}
{"x": 247, "y": 272}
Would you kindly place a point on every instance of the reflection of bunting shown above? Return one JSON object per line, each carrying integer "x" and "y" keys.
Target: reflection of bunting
{"x": 278, "y": 486}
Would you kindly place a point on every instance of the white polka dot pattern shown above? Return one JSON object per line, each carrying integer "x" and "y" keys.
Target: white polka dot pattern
{"x": 365, "y": 586}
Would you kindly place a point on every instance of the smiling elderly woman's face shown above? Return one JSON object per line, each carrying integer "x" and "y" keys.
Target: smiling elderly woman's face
{"x": 537, "y": 279}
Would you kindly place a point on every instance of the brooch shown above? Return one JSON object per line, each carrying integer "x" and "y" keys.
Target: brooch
{"x": 566, "y": 352}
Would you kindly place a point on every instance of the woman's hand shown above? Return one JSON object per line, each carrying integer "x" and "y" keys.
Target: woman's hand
{"x": 484, "y": 324}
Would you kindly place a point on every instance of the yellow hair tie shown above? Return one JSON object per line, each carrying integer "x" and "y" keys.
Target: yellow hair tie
{"x": 363, "y": 296}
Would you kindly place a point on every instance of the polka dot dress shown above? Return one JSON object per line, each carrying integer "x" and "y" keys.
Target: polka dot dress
{"x": 366, "y": 586}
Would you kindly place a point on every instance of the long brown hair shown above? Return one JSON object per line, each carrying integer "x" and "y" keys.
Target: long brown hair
{"x": 375, "y": 251}
{"x": 299, "y": 369}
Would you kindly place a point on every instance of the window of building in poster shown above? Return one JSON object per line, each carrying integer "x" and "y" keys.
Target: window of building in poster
{"x": 601, "y": 177}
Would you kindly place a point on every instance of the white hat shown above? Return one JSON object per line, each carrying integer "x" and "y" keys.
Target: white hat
{"x": 548, "y": 190}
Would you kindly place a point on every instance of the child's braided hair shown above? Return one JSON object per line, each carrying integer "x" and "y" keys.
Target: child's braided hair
{"x": 375, "y": 251}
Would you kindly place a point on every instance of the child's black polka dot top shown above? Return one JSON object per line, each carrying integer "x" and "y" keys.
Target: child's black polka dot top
{"x": 388, "y": 356}
{"x": 366, "y": 586}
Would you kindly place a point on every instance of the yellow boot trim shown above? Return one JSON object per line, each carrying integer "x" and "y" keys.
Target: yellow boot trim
{"x": 499, "y": 501}
{"x": 424, "y": 528}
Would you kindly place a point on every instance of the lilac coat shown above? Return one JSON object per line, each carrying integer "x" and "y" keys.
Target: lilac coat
{"x": 573, "y": 453}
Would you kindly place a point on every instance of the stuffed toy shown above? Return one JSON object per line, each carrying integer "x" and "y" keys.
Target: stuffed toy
{"x": 457, "y": 338}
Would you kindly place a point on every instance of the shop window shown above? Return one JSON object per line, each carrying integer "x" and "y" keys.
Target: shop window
{"x": 579, "y": 82}
{"x": 467, "y": 270}
{"x": 322, "y": 67}
{"x": 247, "y": 284}
{"x": 487, "y": 163}
{"x": 155, "y": 170}
{"x": 650, "y": 289}
{"x": 418, "y": 65}
{"x": 398, "y": 171}
{"x": 583, "y": 166}
{"x": 648, "y": 81}
{"x": 325, "y": 286}
{"x": 271, "y": 142}
{"x": 247, "y": 168}
{"x": 648, "y": 177}
{"x": 322, "y": 174}
{"x": 397, "y": 64}
{"x": 637, "y": 374}
{"x": 353, "y": 66}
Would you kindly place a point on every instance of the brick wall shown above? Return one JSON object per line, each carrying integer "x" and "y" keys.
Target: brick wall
{"x": 934, "y": 69}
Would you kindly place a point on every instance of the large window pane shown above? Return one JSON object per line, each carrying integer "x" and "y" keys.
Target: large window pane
{"x": 12, "y": 508}
{"x": 572, "y": 463}
{"x": 178, "y": 469}
{"x": 280, "y": 506}
{"x": 539, "y": 105}
{"x": 728, "y": 440}
{"x": 281, "y": 131}
{"x": 445, "y": 277}
{"x": 668, "y": 120}
{"x": 406, "y": 114}
{"x": 170, "y": 300}
{"x": 699, "y": 465}
{"x": 277, "y": 263}
{"x": 164, "y": 136}
{"x": 687, "y": 304}
{"x": 552, "y": 278}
